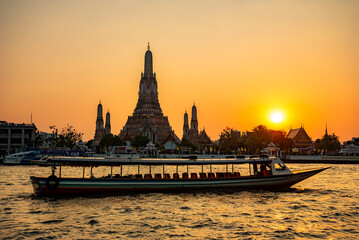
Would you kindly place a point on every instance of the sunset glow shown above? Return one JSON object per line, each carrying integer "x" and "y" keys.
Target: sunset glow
{"x": 276, "y": 117}
{"x": 236, "y": 59}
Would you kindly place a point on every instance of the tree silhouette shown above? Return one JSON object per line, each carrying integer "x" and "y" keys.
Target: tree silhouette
{"x": 140, "y": 141}
{"x": 67, "y": 138}
{"x": 329, "y": 143}
{"x": 230, "y": 140}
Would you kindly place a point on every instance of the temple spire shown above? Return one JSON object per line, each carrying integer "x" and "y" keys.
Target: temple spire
{"x": 185, "y": 125}
{"x": 148, "y": 63}
{"x": 194, "y": 121}
{"x": 147, "y": 119}
{"x": 108, "y": 122}
{"x": 326, "y": 128}
{"x": 100, "y": 130}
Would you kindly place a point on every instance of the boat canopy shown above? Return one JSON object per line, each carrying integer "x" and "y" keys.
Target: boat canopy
{"x": 81, "y": 161}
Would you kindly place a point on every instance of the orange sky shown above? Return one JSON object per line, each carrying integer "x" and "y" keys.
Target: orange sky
{"x": 238, "y": 60}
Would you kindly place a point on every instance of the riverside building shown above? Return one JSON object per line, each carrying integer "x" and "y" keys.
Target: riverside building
{"x": 15, "y": 137}
{"x": 302, "y": 143}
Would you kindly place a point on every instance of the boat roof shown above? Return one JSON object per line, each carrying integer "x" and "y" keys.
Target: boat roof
{"x": 93, "y": 161}
{"x": 25, "y": 153}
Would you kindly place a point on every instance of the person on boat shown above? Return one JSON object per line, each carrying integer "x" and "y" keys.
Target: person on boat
{"x": 265, "y": 169}
{"x": 268, "y": 168}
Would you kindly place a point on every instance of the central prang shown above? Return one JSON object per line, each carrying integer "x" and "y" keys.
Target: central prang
{"x": 147, "y": 118}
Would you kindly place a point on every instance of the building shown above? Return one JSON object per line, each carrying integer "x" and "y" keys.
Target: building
{"x": 302, "y": 143}
{"x": 108, "y": 123}
{"x": 350, "y": 150}
{"x": 200, "y": 139}
{"x": 100, "y": 129}
{"x": 15, "y": 137}
{"x": 147, "y": 118}
{"x": 185, "y": 125}
{"x": 271, "y": 150}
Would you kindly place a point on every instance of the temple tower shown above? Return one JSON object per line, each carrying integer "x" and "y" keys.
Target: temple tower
{"x": 201, "y": 139}
{"x": 185, "y": 126}
{"x": 148, "y": 96}
{"x": 100, "y": 130}
{"x": 147, "y": 118}
{"x": 148, "y": 62}
{"x": 194, "y": 121}
{"x": 108, "y": 123}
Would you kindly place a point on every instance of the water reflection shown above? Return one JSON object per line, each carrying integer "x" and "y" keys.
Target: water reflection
{"x": 325, "y": 206}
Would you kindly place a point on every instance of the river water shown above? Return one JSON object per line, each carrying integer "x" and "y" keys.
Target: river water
{"x": 325, "y": 206}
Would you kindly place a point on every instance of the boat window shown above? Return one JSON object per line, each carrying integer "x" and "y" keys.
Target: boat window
{"x": 279, "y": 166}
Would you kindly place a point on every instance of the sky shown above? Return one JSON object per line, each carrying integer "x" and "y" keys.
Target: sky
{"x": 238, "y": 61}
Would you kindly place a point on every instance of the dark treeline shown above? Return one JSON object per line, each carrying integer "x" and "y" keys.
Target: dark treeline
{"x": 232, "y": 141}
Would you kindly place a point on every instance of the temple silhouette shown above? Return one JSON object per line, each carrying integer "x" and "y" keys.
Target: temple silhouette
{"x": 197, "y": 138}
{"x": 100, "y": 129}
{"x": 148, "y": 119}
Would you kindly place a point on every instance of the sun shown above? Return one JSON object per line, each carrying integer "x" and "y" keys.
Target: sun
{"x": 277, "y": 117}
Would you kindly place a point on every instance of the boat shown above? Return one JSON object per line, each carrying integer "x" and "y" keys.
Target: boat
{"x": 263, "y": 173}
{"x": 22, "y": 158}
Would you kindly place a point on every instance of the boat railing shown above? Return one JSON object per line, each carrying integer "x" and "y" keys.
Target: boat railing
{"x": 185, "y": 175}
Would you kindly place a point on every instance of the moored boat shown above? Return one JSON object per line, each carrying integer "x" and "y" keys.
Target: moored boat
{"x": 22, "y": 158}
{"x": 264, "y": 173}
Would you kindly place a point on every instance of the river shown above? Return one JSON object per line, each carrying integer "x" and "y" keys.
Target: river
{"x": 325, "y": 206}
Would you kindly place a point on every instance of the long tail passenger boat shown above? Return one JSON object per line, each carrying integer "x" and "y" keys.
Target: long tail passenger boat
{"x": 264, "y": 173}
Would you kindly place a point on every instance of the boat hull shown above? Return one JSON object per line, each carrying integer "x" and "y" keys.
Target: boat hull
{"x": 99, "y": 186}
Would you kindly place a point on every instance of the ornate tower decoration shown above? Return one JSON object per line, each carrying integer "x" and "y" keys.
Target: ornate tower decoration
{"x": 194, "y": 122}
{"x": 100, "y": 130}
{"x": 147, "y": 118}
{"x": 148, "y": 96}
{"x": 185, "y": 126}
{"x": 201, "y": 139}
{"x": 108, "y": 123}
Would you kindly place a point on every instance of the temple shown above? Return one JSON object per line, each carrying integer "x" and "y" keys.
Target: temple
{"x": 147, "y": 118}
{"x": 100, "y": 129}
{"x": 200, "y": 139}
{"x": 302, "y": 143}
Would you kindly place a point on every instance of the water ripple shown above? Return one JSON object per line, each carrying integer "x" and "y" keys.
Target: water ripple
{"x": 324, "y": 207}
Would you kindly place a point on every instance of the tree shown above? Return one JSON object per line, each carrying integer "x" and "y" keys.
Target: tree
{"x": 279, "y": 138}
{"x": 117, "y": 141}
{"x": 258, "y": 139}
{"x": 89, "y": 143}
{"x": 140, "y": 141}
{"x": 262, "y": 136}
{"x": 67, "y": 138}
{"x": 230, "y": 140}
{"x": 188, "y": 144}
{"x": 354, "y": 141}
{"x": 106, "y": 140}
{"x": 53, "y": 138}
{"x": 329, "y": 143}
{"x": 110, "y": 140}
